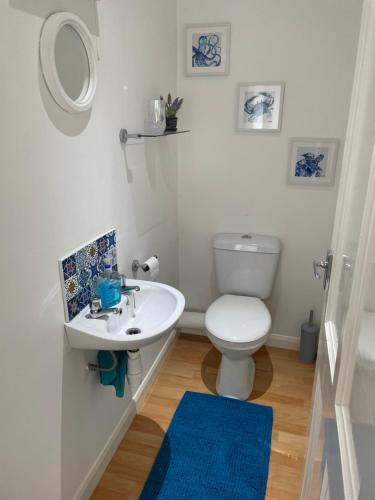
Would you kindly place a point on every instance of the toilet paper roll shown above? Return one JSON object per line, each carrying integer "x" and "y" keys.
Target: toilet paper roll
{"x": 151, "y": 265}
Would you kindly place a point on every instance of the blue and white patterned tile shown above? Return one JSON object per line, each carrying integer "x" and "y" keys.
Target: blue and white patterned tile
{"x": 84, "y": 298}
{"x": 102, "y": 244}
{"x": 71, "y": 287}
{"x": 74, "y": 308}
{"x": 84, "y": 278}
{"x": 69, "y": 266}
{"x": 92, "y": 252}
{"x": 81, "y": 259}
{"x": 112, "y": 252}
{"x": 94, "y": 287}
{"x": 94, "y": 270}
{"x": 100, "y": 263}
{"x": 80, "y": 271}
{"x": 111, "y": 239}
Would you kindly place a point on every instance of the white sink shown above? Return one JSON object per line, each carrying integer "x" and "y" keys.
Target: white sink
{"x": 158, "y": 308}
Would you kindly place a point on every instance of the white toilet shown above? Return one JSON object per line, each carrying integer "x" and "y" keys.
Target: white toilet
{"x": 238, "y": 322}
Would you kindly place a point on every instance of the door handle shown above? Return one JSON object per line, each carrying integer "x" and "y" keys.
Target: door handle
{"x": 323, "y": 264}
{"x": 327, "y": 266}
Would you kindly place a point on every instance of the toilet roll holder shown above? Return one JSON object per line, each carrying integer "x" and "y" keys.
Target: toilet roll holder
{"x": 137, "y": 265}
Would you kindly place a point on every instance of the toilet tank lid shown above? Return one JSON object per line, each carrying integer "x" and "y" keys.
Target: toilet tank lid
{"x": 247, "y": 242}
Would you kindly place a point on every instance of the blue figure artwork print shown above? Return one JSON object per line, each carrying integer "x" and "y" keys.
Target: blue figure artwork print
{"x": 310, "y": 165}
{"x": 259, "y": 106}
{"x": 206, "y": 50}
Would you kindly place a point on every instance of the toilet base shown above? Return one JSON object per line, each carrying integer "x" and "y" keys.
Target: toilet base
{"x": 236, "y": 376}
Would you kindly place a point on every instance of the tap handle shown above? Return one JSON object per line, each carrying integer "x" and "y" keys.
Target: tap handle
{"x": 135, "y": 266}
{"x": 95, "y": 305}
{"x": 123, "y": 279}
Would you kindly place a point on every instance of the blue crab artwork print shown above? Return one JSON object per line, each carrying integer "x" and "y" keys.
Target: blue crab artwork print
{"x": 259, "y": 107}
{"x": 310, "y": 165}
{"x": 206, "y": 50}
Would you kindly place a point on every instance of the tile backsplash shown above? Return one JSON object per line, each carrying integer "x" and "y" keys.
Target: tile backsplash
{"x": 80, "y": 270}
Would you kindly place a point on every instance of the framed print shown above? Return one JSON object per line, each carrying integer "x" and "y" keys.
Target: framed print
{"x": 260, "y": 106}
{"x": 312, "y": 162}
{"x": 207, "y": 48}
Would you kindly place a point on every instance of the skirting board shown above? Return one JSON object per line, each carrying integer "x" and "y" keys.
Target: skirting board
{"x": 283, "y": 341}
{"x": 275, "y": 339}
{"x": 193, "y": 331}
{"x": 96, "y": 471}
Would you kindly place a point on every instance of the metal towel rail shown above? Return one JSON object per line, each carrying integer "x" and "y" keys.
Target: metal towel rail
{"x": 92, "y": 367}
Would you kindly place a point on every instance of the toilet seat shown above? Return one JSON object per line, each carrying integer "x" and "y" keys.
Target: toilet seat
{"x": 238, "y": 320}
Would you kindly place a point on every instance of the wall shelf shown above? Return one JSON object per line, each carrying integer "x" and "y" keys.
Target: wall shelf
{"x": 124, "y": 134}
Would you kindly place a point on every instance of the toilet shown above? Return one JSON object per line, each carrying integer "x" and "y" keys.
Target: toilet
{"x": 238, "y": 322}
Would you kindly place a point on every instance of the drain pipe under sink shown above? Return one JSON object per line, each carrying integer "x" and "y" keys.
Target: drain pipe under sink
{"x": 135, "y": 370}
{"x": 192, "y": 322}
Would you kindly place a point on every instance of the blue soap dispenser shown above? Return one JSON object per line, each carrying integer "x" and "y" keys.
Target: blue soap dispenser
{"x": 109, "y": 285}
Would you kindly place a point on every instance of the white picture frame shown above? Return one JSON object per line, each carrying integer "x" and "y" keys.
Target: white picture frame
{"x": 207, "y": 49}
{"x": 260, "y": 106}
{"x": 312, "y": 161}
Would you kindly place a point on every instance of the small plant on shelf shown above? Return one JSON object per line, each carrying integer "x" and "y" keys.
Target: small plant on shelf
{"x": 171, "y": 110}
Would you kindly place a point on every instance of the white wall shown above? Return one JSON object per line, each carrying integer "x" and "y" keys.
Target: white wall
{"x": 237, "y": 182}
{"x": 64, "y": 181}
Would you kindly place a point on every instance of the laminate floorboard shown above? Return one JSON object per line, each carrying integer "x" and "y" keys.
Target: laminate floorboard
{"x": 281, "y": 381}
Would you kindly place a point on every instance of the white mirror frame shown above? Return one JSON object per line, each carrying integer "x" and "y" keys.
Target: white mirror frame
{"x": 49, "y": 33}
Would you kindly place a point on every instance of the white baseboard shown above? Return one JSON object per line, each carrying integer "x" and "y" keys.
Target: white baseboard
{"x": 96, "y": 471}
{"x": 283, "y": 341}
{"x": 193, "y": 331}
{"x": 275, "y": 339}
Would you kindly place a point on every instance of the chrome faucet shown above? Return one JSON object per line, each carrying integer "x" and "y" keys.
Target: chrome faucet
{"x": 127, "y": 290}
{"x": 97, "y": 311}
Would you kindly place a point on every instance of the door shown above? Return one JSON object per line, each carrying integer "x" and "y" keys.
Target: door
{"x": 340, "y": 440}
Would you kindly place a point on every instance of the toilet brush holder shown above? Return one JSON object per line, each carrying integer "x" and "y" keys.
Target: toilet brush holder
{"x": 309, "y": 340}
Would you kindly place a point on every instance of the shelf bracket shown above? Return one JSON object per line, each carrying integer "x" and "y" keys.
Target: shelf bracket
{"x": 92, "y": 367}
{"x": 124, "y": 136}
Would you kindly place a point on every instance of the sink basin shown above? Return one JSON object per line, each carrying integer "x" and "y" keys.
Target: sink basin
{"x": 157, "y": 309}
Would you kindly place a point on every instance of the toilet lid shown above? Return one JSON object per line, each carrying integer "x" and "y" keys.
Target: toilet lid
{"x": 238, "y": 319}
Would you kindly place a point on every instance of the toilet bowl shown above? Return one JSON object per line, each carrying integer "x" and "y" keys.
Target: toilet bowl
{"x": 237, "y": 326}
{"x": 238, "y": 322}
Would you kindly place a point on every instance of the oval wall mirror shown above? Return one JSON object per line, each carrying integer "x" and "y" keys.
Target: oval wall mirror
{"x": 68, "y": 61}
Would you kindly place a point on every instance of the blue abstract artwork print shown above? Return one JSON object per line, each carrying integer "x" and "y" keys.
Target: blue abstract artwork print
{"x": 258, "y": 107}
{"x": 206, "y": 50}
{"x": 311, "y": 162}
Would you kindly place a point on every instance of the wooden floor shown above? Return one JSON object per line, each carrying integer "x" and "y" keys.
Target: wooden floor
{"x": 281, "y": 381}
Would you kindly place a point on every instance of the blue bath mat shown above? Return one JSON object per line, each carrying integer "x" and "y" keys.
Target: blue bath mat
{"x": 215, "y": 448}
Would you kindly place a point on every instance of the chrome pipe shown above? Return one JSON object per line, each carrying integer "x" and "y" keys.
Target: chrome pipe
{"x": 92, "y": 367}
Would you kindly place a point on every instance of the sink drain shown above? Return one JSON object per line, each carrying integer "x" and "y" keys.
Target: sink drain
{"x": 133, "y": 331}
